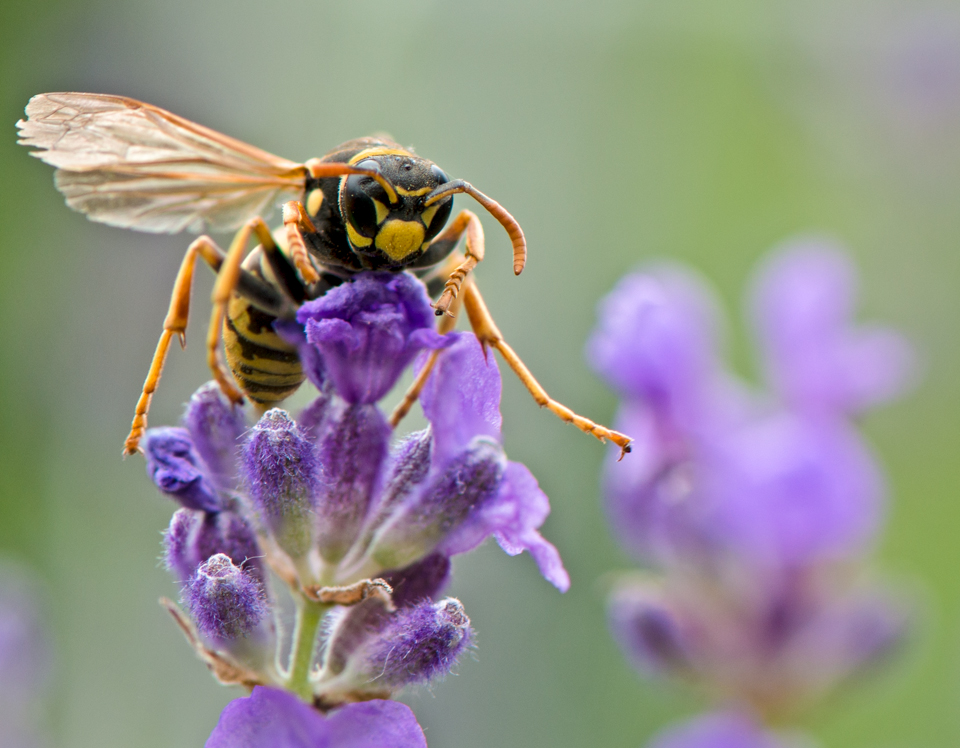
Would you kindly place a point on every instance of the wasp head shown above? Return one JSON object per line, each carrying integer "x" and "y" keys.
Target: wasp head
{"x": 397, "y": 227}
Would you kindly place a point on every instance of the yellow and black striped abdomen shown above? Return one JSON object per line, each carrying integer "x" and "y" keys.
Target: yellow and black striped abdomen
{"x": 266, "y": 367}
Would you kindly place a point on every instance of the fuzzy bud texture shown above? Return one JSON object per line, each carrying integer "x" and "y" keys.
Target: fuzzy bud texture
{"x": 283, "y": 476}
{"x": 225, "y": 602}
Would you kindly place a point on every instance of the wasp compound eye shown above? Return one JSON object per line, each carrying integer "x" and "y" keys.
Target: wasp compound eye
{"x": 364, "y": 205}
{"x": 439, "y": 175}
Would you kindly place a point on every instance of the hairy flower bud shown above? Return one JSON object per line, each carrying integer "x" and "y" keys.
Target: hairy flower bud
{"x": 351, "y": 447}
{"x": 468, "y": 482}
{"x": 225, "y": 602}
{"x": 215, "y": 425}
{"x": 372, "y": 651}
{"x": 281, "y": 471}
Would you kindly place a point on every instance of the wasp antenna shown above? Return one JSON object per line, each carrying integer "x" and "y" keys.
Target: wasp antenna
{"x": 493, "y": 208}
{"x": 319, "y": 169}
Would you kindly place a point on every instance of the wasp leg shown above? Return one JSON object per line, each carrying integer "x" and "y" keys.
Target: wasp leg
{"x": 295, "y": 222}
{"x": 175, "y": 324}
{"x": 445, "y": 325}
{"x": 488, "y": 334}
{"x": 466, "y": 222}
{"x": 259, "y": 293}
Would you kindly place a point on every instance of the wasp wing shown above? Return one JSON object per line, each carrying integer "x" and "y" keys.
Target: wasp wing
{"x": 130, "y": 164}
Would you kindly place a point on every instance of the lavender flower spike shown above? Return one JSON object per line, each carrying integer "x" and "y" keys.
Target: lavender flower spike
{"x": 749, "y": 506}
{"x": 269, "y": 718}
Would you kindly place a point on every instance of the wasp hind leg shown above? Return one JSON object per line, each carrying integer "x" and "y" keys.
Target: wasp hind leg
{"x": 230, "y": 277}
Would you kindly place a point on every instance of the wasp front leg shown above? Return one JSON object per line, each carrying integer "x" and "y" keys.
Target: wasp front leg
{"x": 295, "y": 223}
{"x": 465, "y": 223}
{"x": 489, "y": 334}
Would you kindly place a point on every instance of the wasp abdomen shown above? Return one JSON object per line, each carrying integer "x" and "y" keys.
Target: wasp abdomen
{"x": 266, "y": 367}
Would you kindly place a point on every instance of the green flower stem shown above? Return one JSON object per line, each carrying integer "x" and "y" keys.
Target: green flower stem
{"x": 309, "y": 615}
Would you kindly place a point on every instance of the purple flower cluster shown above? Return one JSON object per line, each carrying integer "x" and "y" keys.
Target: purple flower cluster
{"x": 25, "y": 661}
{"x": 359, "y": 525}
{"x": 751, "y": 509}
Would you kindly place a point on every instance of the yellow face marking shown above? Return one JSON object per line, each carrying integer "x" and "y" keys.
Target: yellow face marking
{"x": 397, "y": 239}
{"x": 414, "y": 193}
{"x": 382, "y": 210}
{"x": 429, "y": 213}
{"x": 377, "y": 151}
{"x": 357, "y": 239}
{"x": 314, "y": 201}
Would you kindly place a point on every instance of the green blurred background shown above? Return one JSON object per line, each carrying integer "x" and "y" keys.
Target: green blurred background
{"x": 615, "y": 132}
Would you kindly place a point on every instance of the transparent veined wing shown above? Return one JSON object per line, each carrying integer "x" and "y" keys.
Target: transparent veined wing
{"x": 130, "y": 164}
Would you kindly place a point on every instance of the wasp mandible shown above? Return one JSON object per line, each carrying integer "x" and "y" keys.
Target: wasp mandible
{"x": 368, "y": 204}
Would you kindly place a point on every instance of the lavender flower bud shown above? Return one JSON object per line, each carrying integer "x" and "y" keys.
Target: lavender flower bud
{"x": 351, "y": 449}
{"x": 469, "y": 481}
{"x": 281, "y": 470}
{"x": 647, "y": 629}
{"x": 226, "y": 603}
{"x": 372, "y": 651}
{"x": 419, "y": 644}
{"x": 215, "y": 425}
{"x": 193, "y": 537}
{"x": 175, "y": 467}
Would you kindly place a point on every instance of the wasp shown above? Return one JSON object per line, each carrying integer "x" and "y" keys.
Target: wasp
{"x": 368, "y": 204}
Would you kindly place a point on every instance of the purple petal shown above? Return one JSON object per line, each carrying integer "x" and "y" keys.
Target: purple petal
{"x": 513, "y": 518}
{"x": 809, "y": 490}
{"x": 375, "y": 724}
{"x": 461, "y": 398}
{"x": 368, "y": 331}
{"x": 269, "y": 718}
{"x": 177, "y": 470}
{"x": 720, "y": 730}
{"x": 802, "y": 306}
{"x": 655, "y": 340}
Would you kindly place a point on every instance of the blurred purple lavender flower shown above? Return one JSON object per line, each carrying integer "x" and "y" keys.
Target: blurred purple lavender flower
{"x": 752, "y": 509}
{"x": 361, "y": 531}
{"x": 25, "y": 661}
{"x": 721, "y": 730}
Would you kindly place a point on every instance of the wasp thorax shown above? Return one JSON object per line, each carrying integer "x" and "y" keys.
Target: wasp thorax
{"x": 398, "y": 226}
